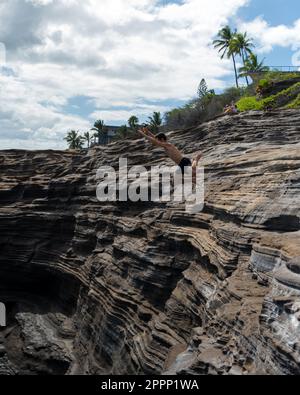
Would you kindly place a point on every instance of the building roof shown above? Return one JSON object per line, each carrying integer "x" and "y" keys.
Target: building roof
{"x": 115, "y": 128}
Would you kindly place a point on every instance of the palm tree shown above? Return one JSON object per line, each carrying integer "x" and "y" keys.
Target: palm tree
{"x": 155, "y": 121}
{"x": 99, "y": 128}
{"x": 74, "y": 140}
{"x": 242, "y": 45}
{"x": 224, "y": 45}
{"x": 133, "y": 122}
{"x": 121, "y": 133}
{"x": 252, "y": 65}
{"x": 88, "y": 138}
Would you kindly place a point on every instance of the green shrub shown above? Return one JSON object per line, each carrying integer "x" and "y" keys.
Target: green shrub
{"x": 282, "y": 97}
{"x": 277, "y": 76}
{"x": 295, "y": 103}
{"x": 249, "y": 103}
{"x": 264, "y": 88}
{"x": 198, "y": 110}
{"x": 264, "y": 84}
{"x": 278, "y": 100}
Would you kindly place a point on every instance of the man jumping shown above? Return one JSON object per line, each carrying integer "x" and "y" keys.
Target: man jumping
{"x": 173, "y": 152}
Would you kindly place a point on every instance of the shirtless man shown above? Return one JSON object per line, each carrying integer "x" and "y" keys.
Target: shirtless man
{"x": 173, "y": 152}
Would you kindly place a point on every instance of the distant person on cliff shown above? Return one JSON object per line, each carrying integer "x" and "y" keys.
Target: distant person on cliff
{"x": 173, "y": 152}
{"x": 231, "y": 110}
{"x": 234, "y": 107}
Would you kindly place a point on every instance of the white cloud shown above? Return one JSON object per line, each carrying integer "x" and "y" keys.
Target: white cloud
{"x": 268, "y": 36}
{"x": 117, "y": 52}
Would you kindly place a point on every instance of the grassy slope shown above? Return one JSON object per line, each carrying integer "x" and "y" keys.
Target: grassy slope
{"x": 287, "y": 98}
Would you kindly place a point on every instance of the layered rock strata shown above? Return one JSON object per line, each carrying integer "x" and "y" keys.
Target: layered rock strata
{"x": 147, "y": 288}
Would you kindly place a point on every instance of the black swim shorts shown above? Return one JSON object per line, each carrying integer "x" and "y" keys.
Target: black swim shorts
{"x": 185, "y": 162}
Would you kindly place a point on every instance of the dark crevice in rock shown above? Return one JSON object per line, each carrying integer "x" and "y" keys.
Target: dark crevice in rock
{"x": 283, "y": 223}
{"x": 40, "y": 305}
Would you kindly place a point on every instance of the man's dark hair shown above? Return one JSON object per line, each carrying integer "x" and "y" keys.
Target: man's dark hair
{"x": 161, "y": 137}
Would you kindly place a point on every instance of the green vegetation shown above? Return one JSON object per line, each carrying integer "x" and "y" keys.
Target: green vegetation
{"x": 294, "y": 104}
{"x": 155, "y": 122}
{"x": 128, "y": 131}
{"x": 249, "y": 103}
{"x": 264, "y": 87}
{"x": 99, "y": 128}
{"x": 203, "y": 108}
{"x": 133, "y": 123}
{"x": 74, "y": 140}
{"x": 273, "y": 101}
{"x": 283, "y": 97}
{"x": 242, "y": 45}
{"x": 232, "y": 44}
{"x": 87, "y": 137}
{"x": 252, "y": 65}
{"x": 277, "y": 76}
{"x": 276, "y": 89}
{"x": 224, "y": 44}
{"x": 265, "y": 84}
{"x": 122, "y": 133}
{"x": 204, "y": 92}
{"x": 260, "y": 97}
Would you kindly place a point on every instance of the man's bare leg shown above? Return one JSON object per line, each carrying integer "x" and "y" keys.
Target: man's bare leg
{"x": 194, "y": 167}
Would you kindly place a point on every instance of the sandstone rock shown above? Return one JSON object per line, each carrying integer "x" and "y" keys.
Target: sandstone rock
{"x": 143, "y": 288}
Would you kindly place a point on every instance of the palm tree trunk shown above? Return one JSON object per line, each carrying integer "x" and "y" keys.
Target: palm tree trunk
{"x": 235, "y": 71}
{"x": 243, "y": 57}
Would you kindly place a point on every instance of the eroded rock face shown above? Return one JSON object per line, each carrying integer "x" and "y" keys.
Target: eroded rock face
{"x": 95, "y": 288}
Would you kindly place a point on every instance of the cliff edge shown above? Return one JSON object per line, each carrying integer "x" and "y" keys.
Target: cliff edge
{"x": 144, "y": 288}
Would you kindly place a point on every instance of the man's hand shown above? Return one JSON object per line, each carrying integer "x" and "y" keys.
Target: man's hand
{"x": 146, "y": 131}
{"x": 142, "y": 133}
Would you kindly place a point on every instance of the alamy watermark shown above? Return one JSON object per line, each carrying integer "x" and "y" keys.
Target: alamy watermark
{"x": 2, "y": 315}
{"x": 159, "y": 184}
{"x": 2, "y": 55}
{"x": 296, "y": 57}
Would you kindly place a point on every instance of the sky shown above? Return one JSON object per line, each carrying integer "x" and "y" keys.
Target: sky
{"x": 66, "y": 63}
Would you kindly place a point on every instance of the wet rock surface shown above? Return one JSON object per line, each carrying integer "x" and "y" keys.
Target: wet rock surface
{"x": 142, "y": 288}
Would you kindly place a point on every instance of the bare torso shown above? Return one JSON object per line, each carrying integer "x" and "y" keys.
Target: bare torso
{"x": 173, "y": 153}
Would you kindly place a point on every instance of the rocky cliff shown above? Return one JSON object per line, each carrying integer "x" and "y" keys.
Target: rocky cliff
{"x": 142, "y": 288}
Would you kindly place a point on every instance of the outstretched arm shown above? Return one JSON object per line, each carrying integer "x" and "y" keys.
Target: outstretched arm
{"x": 149, "y": 133}
{"x": 150, "y": 137}
{"x": 146, "y": 131}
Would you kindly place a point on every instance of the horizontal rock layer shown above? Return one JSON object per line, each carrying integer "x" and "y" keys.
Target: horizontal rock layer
{"x": 95, "y": 288}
